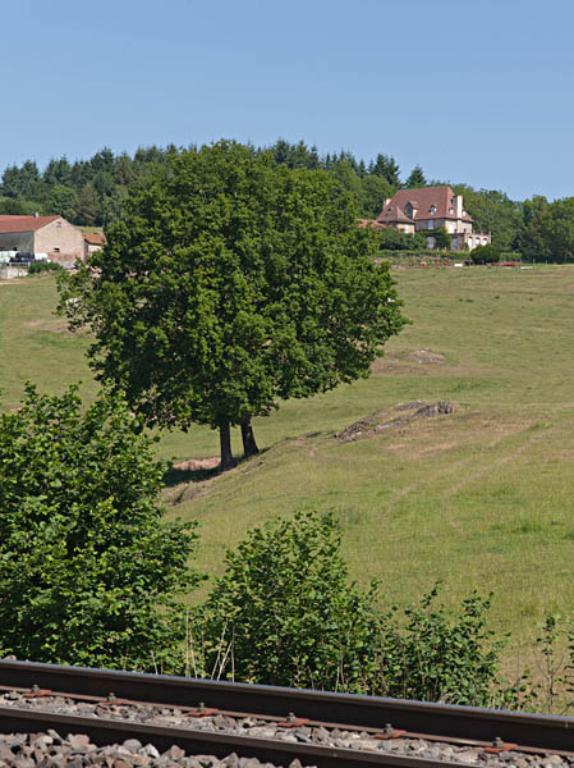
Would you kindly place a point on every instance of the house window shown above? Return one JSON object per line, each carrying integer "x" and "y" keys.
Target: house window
{"x": 56, "y": 250}
{"x": 409, "y": 210}
{"x": 430, "y": 224}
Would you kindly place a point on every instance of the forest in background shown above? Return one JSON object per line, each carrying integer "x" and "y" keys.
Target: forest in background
{"x": 93, "y": 192}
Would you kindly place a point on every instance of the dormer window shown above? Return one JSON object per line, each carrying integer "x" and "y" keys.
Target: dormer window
{"x": 409, "y": 210}
{"x": 432, "y": 210}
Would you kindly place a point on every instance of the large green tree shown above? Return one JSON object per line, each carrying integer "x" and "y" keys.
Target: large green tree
{"x": 531, "y": 239}
{"x": 230, "y": 283}
{"x": 63, "y": 201}
{"x": 375, "y": 190}
{"x": 494, "y": 212}
{"x": 89, "y": 571}
{"x": 557, "y": 229}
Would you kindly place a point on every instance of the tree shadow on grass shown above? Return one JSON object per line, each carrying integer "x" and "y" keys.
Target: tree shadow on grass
{"x": 175, "y": 476}
{"x": 178, "y": 475}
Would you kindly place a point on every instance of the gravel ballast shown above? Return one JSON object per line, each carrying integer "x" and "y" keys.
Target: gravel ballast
{"x": 252, "y": 726}
{"x": 50, "y": 750}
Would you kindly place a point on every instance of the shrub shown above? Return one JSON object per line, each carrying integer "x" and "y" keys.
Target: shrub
{"x": 432, "y": 656}
{"x": 38, "y": 267}
{"x": 442, "y": 239}
{"x": 485, "y": 254}
{"x": 395, "y": 240}
{"x": 89, "y": 572}
{"x": 284, "y": 613}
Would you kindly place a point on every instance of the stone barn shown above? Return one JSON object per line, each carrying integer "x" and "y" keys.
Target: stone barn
{"x": 50, "y": 235}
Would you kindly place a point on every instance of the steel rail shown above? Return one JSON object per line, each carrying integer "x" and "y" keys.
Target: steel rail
{"x": 543, "y": 732}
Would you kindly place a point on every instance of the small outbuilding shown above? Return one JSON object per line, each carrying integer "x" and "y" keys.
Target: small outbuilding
{"x": 94, "y": 241}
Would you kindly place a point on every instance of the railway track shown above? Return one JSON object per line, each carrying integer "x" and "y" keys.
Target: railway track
{"x": 273, "y": 724}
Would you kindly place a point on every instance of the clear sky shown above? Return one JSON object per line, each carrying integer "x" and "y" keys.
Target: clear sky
{"x": 479, "y": 91}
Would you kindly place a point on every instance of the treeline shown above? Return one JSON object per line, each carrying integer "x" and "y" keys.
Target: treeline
{"x": 93, "y": 192}
{"x": 87, "y": 192}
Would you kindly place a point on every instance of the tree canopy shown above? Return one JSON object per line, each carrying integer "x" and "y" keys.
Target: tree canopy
{"x": 229, "y": 284}
{"x": 492, "y": 212}
{"x": 387, "y": 168}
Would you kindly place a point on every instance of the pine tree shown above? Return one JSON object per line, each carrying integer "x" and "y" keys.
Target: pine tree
{"x": 416, "y": 179}
{"x": 387, "y": 167}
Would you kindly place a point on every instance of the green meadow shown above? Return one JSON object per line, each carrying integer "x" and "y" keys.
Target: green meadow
{"x": 479, "y": 498}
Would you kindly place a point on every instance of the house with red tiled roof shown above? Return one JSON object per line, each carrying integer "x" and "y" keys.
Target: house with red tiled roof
{"x": 428, "y": 208}
{"x": 52, "y": 236}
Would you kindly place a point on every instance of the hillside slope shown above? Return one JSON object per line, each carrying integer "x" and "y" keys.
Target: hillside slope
{"x": 482, "y": 497}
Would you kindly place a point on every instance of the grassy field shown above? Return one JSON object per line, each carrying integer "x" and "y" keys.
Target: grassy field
{"x": 481, "y": 498}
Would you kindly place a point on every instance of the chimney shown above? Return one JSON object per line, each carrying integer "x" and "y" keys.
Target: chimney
{"x": 36, "y": 215}
{"x": 459, "y": 206}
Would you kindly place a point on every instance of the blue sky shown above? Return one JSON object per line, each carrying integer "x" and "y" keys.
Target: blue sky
{"x": 477, "y": 91}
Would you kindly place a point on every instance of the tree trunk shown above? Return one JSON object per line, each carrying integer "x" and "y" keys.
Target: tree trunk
{"x": 227, "y": 461}
{"x": 249, "y": 445}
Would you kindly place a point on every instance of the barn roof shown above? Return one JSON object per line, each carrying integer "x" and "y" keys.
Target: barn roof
{"x": 95, "y": 238}
{"x": 24, "y": 223}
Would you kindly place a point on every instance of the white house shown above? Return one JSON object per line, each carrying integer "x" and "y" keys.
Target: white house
{"x": 428, "y": 208}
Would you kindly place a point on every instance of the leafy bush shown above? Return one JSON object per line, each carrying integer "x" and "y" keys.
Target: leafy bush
{"x": 284, "y": 613}
{"x": 441, "y": 237}
{"x": 38, "y": 267}
{"x": 555, "y": 646}
{"x": 429, "y": 655}
{"x": 485, "y": 254}
{"x": 89, "y": 573}
{"x": 395, "y": 240}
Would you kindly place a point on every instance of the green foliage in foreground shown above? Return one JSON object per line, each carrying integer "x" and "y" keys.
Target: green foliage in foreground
{"x": 285, "y": 613}
{"x": 89, "y": 572}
